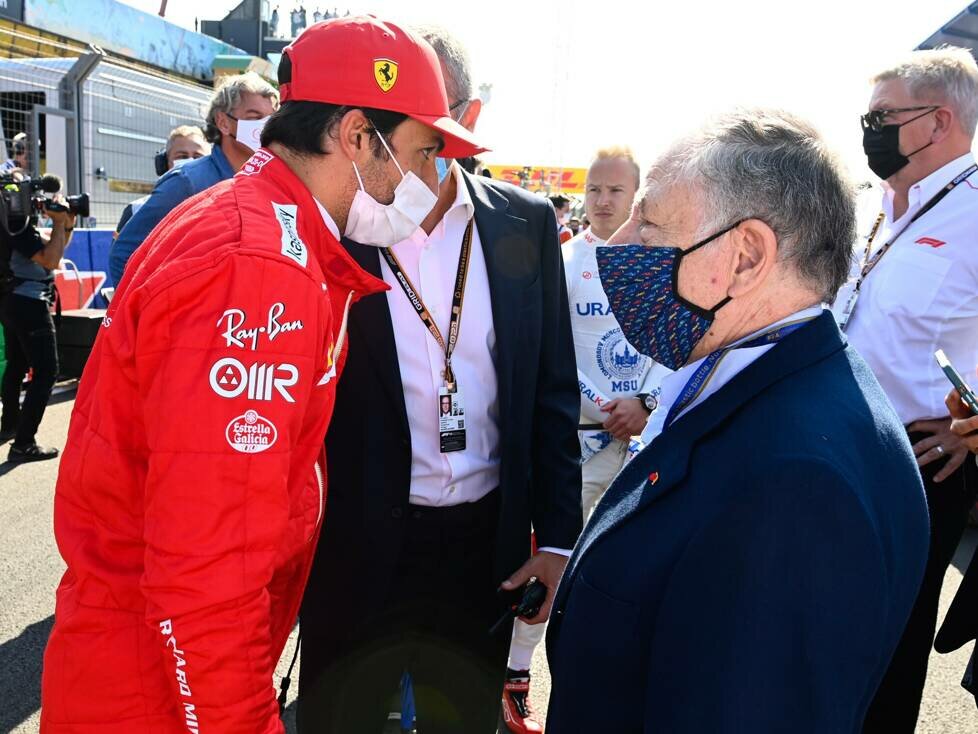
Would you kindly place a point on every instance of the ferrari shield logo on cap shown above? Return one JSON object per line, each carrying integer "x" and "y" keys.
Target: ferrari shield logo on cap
{"x": 385, "y": 72}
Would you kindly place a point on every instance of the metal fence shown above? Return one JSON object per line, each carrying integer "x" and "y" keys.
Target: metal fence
{"x": 125, "y": 119}
{"x": 93, "y": 119}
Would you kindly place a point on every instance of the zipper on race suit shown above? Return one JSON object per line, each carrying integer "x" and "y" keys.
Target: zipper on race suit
{"x": 334, "y": 356}
{"x": 341, "y": 339}
{"x": 321, "y": 483}
{"x": 330, "y": 373}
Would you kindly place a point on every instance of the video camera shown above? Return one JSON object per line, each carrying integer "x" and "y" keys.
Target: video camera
{"x": 25, "y": 199}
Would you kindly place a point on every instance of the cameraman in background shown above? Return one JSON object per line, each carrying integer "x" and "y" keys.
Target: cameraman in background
{"x": 27, "y": 266}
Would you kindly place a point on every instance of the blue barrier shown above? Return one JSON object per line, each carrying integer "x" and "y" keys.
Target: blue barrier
{"x": 89, "y": 251}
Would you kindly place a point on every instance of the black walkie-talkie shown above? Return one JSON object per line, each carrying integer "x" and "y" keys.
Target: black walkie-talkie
{"x": 534, "y": 594}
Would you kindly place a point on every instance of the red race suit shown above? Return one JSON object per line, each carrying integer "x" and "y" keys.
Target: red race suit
{"x": 192, "y": 487}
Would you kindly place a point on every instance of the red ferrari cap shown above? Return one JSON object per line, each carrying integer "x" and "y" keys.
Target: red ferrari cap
{"x": 365, "y": 62}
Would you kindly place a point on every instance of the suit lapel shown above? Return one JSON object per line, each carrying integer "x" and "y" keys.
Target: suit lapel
{"x": 664, "y": 463}
{"x": 495, "y": 224}
{"x": 371, "y": 325}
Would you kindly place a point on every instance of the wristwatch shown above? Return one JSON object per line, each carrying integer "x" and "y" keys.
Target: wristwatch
{"x": 649, "y": 400}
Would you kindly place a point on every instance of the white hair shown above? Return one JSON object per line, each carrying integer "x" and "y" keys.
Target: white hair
{"x": 455, "y": 60}
{"x": 772, "y": 166}
{"x": 948, "y": 75}
{"x": 227, "y": 95}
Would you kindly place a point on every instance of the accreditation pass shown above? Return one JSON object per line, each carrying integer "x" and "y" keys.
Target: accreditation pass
{"x": 451, "y": 420}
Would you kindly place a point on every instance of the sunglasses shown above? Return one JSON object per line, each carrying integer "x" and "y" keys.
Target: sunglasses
{"x": 875, "y": 119}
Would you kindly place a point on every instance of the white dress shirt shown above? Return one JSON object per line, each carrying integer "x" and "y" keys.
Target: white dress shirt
{"x": 922, "y": 295}
{"x": 431, "y": 264}
{"x": 328, "y": 221}
{"x": 726, "y": 369}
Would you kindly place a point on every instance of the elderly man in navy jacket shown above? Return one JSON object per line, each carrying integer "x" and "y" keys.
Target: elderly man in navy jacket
{"x": 754, "y": 566}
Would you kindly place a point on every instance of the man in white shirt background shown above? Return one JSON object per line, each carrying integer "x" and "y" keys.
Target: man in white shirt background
{"x": 423, "y": 527}
{"x": 918, "y": 292}
{"x": 619, "y": 385}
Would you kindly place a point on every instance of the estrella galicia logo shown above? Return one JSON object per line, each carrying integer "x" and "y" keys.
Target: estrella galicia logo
{"x": 619, "y": 361}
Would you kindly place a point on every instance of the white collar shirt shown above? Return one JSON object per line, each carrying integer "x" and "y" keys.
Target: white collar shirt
{"x": 732, "y": 363}
{"x": 431, "y": 264}
{"x": 328, "y": 221}
{"x": 922, "y": 295}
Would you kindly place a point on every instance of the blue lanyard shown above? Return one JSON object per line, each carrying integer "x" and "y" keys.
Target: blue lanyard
{"x": 697, "y": 382}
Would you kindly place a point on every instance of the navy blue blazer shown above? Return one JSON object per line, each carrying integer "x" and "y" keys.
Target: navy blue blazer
{"x": 753, "y": 568}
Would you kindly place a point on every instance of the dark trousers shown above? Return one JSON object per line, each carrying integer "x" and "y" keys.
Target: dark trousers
{"x": 30, "y": 343}
{"x": 897, "y": 703}
{"x": 434, "y": 624}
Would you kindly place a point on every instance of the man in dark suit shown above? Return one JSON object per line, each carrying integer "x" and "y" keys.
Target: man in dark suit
{"x": 422, "y": 528}
{"x": 753, "y": 567}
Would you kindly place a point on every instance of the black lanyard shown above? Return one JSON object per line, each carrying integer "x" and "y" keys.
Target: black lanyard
{"x": 458, "y": 296}
{"x": 870, "y": 263}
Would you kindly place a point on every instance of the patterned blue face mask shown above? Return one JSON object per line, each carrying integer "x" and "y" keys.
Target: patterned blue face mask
{"x": 642, "y": 285}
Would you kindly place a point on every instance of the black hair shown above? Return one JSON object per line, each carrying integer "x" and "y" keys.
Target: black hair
{"x": 559, "y": 201}
{"x": 303, "y": 126}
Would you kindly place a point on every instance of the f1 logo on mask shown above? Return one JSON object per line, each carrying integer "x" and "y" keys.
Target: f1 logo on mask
{"x": 229, "y": 378}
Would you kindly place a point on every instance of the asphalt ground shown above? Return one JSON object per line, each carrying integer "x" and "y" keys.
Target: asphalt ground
{"x": 30, "y": 569}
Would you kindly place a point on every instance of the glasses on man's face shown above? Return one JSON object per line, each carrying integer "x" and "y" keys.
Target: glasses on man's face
{"x": 875, "y": 119}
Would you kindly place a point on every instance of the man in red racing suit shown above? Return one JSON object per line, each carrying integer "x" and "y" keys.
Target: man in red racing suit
{"x": 192, "y": 488}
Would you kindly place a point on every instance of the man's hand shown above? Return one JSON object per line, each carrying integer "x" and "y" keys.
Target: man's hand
{"x": 627, "y": 418}
{"x": 940, "y": 445}
{"x": 964, "y": 423}
{"x": 548, "y": 568}
{"x": 630, "y": 232}
{"x": 64, "y": 219}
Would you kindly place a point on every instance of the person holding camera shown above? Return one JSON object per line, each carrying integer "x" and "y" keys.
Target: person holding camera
{"x": 28, "y": 329}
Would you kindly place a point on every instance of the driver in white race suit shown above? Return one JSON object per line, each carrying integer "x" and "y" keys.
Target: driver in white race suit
{"x": 619, "y": 386}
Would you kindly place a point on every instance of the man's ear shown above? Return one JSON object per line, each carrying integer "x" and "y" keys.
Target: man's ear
{"x": 224, "y": 123}
{"x": 353, "y": 136}
{"x": 471, "y": 115}
{"x": 755, "y": 255}
{"x": 944, "y": 122}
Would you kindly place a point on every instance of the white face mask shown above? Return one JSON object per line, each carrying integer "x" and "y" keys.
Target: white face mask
{"x": 249, "y": 132}
{"x": 384, "y": 225}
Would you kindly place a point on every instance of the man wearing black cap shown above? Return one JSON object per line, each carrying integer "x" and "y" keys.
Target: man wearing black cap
{"x": 192, "y": 490}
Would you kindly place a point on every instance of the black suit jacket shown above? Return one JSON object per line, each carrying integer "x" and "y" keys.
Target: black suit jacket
{"x": 369, "y": 443}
